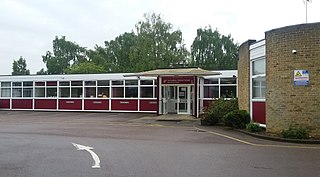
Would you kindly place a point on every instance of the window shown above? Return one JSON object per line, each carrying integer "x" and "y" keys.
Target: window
{"x": 90, "y": 92}
{"x": 51, "y": 92}
{"x": 259, "y": 78}
{"x": 104, "y": 83}
{"x": 117, "y": 82}
{"x": 117, "y": 92}
{"x": 64, "y": 83}
{"x": 27, "y": 92}
{"x": 131, "y": 92}
{"x": 211, "y": 91}
{"x": 16, "y": 89}
{"x": 259, "y": 67}
{"x": 5, "y": 89}
{"x": 64, "y": 92}
{"x": 103, "y": 92}
{"x": 76, "y": 92}
{"x": 90, "y": 83}
{"x": 211, "y": 81}
{"x": 228, "y": 81}
{"x": 39, "y": 92}
{"x": 27, "y": 89}
{"x": 258, "y": 87}
{"x": 146, "y": 92}
{"x": 76, "y": 83}
{"x": 146, "y": 82}
{"x": 228, "y": 91}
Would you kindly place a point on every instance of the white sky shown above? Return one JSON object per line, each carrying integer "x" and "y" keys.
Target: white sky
{"x": 27, "y": 27}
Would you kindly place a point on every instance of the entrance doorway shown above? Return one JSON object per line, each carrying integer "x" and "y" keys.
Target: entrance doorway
{"x": 177, "y": 99}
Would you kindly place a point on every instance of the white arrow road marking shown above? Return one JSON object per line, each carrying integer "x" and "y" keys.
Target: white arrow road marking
{"x": 93, "y": 154}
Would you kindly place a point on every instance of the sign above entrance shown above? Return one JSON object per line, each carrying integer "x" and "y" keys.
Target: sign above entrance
{"x": 178, "y": 80}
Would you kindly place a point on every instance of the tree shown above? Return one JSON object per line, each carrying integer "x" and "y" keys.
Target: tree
{"x": 115, "y": 56}
{"x": 19, "y": 67}
{"x": 157, "y": 45}
{"x": 85, "y": 68}
{"x": 42, "y": 72}
{"x": 213, "y": 51}
{"x": 65, "y": 53}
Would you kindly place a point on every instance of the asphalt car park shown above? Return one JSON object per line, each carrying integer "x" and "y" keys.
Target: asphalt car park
{"x": 130, "y": 144}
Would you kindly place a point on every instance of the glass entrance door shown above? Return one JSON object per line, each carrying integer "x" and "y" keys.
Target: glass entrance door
{"x": 184, "y": 100}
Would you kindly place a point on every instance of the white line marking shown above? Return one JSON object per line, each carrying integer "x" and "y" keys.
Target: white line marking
{"x": 93, "y": 154}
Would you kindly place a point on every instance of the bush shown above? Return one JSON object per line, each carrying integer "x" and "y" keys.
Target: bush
{"x": 253, "y": 127}
{"x": 217, "y": 110}
{"x": 295, "y": 133}
{"x": 237, "y": 119}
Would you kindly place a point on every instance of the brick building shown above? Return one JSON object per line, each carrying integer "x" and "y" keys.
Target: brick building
{"x": 283, "y": 74}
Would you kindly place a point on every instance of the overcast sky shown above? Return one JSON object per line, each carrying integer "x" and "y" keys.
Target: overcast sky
{"x": 27, "y": 27}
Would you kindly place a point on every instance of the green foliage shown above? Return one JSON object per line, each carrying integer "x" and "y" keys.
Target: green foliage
{"x": 217, "y": 110}
{"x": 213, "y": 51}
{"x": 42, "y": 72}
{"x": 19, "y": 67}
{"x": 295, "y": 132}
{"x": 253, "y": 127}
{"x": 236, "y": 119}
{"x": 85, "y": 68}
{"x": 65, "y": 53}
{"x": 157, "y": 45}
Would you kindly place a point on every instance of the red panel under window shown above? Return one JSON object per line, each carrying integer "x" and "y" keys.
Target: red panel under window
{"x": 259, "y": 112}
{"x": 70, "y": 104}
{"x": 5, "y": 104}
{"x": 96, "y": 104}
{"x": 148, "y": 105}
{"x": 124, "y": 105}
{"x": 45, "y": 104}
{"x": 21, "y": 104}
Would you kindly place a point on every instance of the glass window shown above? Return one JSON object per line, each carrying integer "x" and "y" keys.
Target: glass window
{"x": 228, "y": 81}
{"x": 259, "y": 67}
{"x": 146, "y": 82}
{"x": 17, "y": 92}
{"x": 52, "y": 92}
{"x": 64, "y": 83}
{"x": 39, "y": 92}
{"x": 76, "y": 92}
{"x": 76, "y": 83}
{"x": 211, "y": 91}
{"x": 131, "y": 92}
{"x": 211, "y": 81}
{"x": 131, "y": 82}
{"x": 28, "y": 84}
{"x": 16, "y": 84}
{"x": 117, "y": 82}
{"x": 117, "y": 92}
{"x": 258, "y": 87}
{"x": 51, "y": 83}
{"x": 228, "y": 91}
{"x": 40, "y": 84}
{"x": 64, "y": 92}
{"x": 5, "y": 84}
{"x": 103, "y": 83}
{"x": 103, "y": 92}
{"x": 27, "y": 92}
{"x": 146, "y": 92}
{"x": 90, "y": 92}
{"x": 6, "y": 92}
{"x": 90, "y": 83}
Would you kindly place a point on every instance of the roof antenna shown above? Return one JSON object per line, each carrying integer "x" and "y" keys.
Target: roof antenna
{"x": 306, "y": 3}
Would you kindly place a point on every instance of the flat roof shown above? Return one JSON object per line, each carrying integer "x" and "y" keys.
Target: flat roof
{"x": 176, "y": 72}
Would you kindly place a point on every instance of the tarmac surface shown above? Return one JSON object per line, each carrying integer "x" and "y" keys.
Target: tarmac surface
{"x": 39, "y": 144}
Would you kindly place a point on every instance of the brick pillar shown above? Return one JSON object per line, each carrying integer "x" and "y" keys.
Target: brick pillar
{"x": 244, "y": 76}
